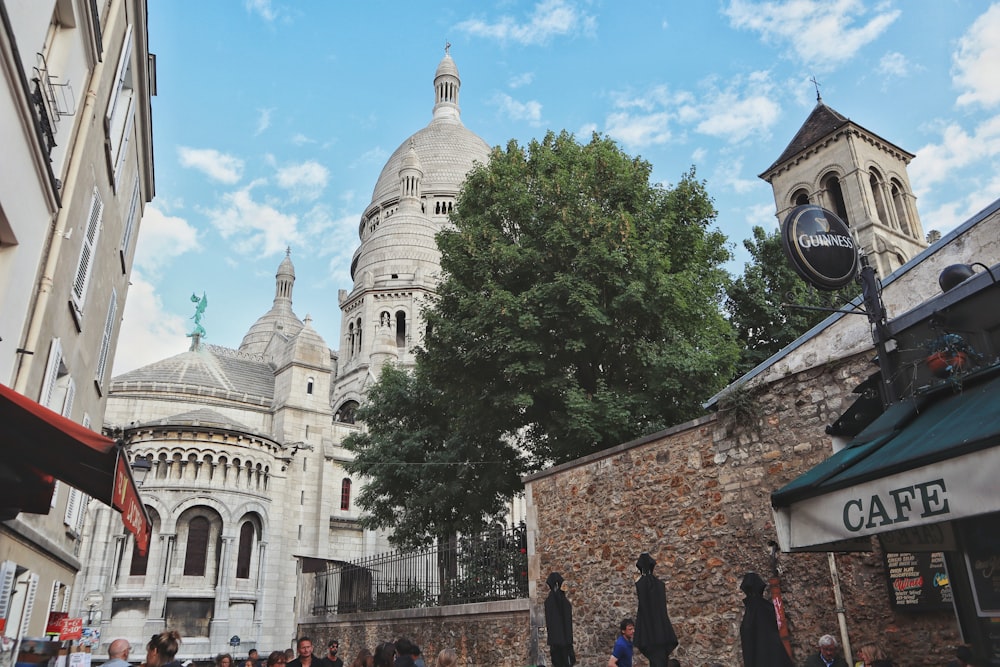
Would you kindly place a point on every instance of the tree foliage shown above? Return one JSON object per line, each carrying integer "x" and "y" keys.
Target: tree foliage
{"x": 758, "y": 301}
{"x": 579, "y": 308}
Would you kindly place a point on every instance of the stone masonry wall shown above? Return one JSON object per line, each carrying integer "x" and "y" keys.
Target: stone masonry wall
{"x": 697, "y": 498}
{"x": 490, "y": 634}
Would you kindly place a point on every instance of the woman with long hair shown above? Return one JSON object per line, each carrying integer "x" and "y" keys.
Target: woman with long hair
{"x": 224, "y": 660}
{"x": 364, "y": 659}
{"x": 162, "y": 648}
{"x": 385, "y": 654}
{"x": 276, "y": 658}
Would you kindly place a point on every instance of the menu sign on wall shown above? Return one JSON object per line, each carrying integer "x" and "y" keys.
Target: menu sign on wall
{"x": 918, "y": 581}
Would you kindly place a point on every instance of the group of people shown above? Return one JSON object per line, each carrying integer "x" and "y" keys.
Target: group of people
{"x": 161, "y": 651}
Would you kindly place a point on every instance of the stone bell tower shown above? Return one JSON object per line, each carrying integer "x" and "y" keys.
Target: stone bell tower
{"x": 837, "y": 164}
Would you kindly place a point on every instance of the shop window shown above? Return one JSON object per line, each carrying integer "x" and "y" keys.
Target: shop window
{"x": 345, "y": 494}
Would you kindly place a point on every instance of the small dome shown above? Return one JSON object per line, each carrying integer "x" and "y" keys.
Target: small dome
{"x": 446, "y": 68}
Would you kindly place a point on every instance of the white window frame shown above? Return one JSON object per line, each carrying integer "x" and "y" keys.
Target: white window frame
{"x": 84, "y": 267}
{"x": 120, "y": 113}
{"x": 109, "y": 325}
{"x": 130, "y": 223}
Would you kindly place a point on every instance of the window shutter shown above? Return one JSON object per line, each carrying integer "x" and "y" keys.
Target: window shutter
{"x": 55, "y": 494}
{"x": 51, "y": 372}
{"x": 123, "y": 144}
{"x": 87, "y": 251}
{"x": 130, "y": 220}
{"x": 65, "y": 602}
{"x": 54, "y": 595}
{"x": 72, "y": 507}
{"x": 67, "y": 406}
{"x": 121, "y": 72}
{"x": 7, "y": 570}
{"x": 109, "y": 325}
{"x": 29, "y": 602}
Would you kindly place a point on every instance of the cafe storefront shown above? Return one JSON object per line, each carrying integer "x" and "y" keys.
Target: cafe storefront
{"x": 920, "y": 471}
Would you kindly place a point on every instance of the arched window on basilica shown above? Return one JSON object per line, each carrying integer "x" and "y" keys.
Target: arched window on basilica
{"x": 310, "y": 382}
{"x": 139, "y": 563}
{"x": 400, "y": 329}
{"x": 345, "y": 415}
{"x": 199, "y": 531}
{"x": 834, "y": 196}
{"x": 244, "y": 551}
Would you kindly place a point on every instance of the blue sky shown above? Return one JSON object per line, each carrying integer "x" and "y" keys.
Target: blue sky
{"x": 273, "y": 119}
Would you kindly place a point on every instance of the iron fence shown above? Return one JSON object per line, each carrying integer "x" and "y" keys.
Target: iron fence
{"x": 490, "y": 566}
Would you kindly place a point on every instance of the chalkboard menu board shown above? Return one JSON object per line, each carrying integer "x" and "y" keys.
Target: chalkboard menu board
{"x": 982, "y": 556}
{"x": 918, "y": 581}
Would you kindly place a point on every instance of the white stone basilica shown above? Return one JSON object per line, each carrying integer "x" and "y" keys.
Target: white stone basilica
{"x": 247, "y": 486}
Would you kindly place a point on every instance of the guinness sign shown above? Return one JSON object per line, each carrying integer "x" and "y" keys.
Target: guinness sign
{"x": 820, "y": 247}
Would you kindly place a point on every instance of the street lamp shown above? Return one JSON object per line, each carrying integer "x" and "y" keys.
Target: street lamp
{"x": 140, "y": 469}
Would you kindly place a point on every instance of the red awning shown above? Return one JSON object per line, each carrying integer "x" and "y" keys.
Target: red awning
{"x": 37, "y": 442}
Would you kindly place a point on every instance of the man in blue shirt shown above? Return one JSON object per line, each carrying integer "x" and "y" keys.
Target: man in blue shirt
{"x": 621, "y": 654}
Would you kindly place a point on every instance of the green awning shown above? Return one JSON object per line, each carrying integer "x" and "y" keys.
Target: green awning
{"x": 929, "y": 458}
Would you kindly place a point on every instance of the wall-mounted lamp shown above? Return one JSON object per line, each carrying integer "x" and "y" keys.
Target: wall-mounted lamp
{"x": 954, "y": 275}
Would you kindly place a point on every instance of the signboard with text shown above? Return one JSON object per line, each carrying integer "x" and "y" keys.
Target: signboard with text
{"x": 918, "y": 581}
{"x": 819, "y": 246}
{"x": 72, "y": 628}
{"x": 126, "y": 500}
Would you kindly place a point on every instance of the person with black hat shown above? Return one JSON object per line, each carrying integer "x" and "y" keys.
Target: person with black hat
{"x": 654, "y": 634}
{"x": 559, "y": 623}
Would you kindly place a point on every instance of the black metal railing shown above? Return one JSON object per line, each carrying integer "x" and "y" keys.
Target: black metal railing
{"x": 486, "y": 567}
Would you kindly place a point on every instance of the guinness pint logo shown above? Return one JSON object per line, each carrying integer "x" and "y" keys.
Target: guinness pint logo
{"x": 820, "y": 247}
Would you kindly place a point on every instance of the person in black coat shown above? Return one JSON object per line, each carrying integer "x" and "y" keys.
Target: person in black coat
{"x": 559, "y": 623}
{"x": 654, "y": 635}
{"x": 759, "y": 636}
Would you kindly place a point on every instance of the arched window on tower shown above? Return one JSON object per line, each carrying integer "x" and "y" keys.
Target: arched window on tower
{"x": 400, "y": 329}
{"x": 878, "y": 192}
{"x": 800, "y": 197}
{"x": 350, "y": 340}
{"x": 357, "y": 347}
{"x": 345, "y": 415}
{"x": 309, "y": 385}
{"x": 345, "y": 494}
{"x": 899, "y": 203}
{"x": 196, "y": 551}
{"x": 835, "y": 197}
{"x": 245, "y": 551}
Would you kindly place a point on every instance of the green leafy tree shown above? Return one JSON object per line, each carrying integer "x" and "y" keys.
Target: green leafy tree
{"x": 759, "y": 301}
{"x": 580, "y": 307}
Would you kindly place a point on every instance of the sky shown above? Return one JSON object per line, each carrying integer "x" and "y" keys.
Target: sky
{"x": 273, "y": 119}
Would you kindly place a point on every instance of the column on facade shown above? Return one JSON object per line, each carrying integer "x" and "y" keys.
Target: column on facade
{"x": 219, "y": 631}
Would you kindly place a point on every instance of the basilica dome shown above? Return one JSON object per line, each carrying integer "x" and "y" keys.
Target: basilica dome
{"x": 446, "y": 148}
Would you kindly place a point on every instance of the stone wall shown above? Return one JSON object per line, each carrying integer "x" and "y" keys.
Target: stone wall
{"x": 488, "y": 634}
{"x": 697, "y": 497}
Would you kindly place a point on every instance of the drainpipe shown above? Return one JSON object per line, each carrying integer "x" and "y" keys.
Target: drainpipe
{"x": 59, "y": 234}
{"x": 838, "y": 599}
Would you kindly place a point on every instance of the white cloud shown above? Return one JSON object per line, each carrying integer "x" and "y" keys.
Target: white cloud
{"x": 744, "y": 108}
{"x": 550, "y": 18}
{"x": 300, "y": 139}
{"x": 521, "y": 80}
{"x": 530, "y": 111}
{"x": 728, "y": 174}
{"x": 636, "y": 131}
{"x": 305, "y": 181}
{"x": 975, "y": 63}
{"x": 263, "y": 120}
{"x": 822, "y": 33}
{"x": 217, "y": 166}
{"x": 254, "y": 227}
{"x": 894, "y": 64}
{"x": 262, "y": 8}
{"x": 162, "y": 239}
{"x": 958, "y": 149}
{"x": 148, "y": 332}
